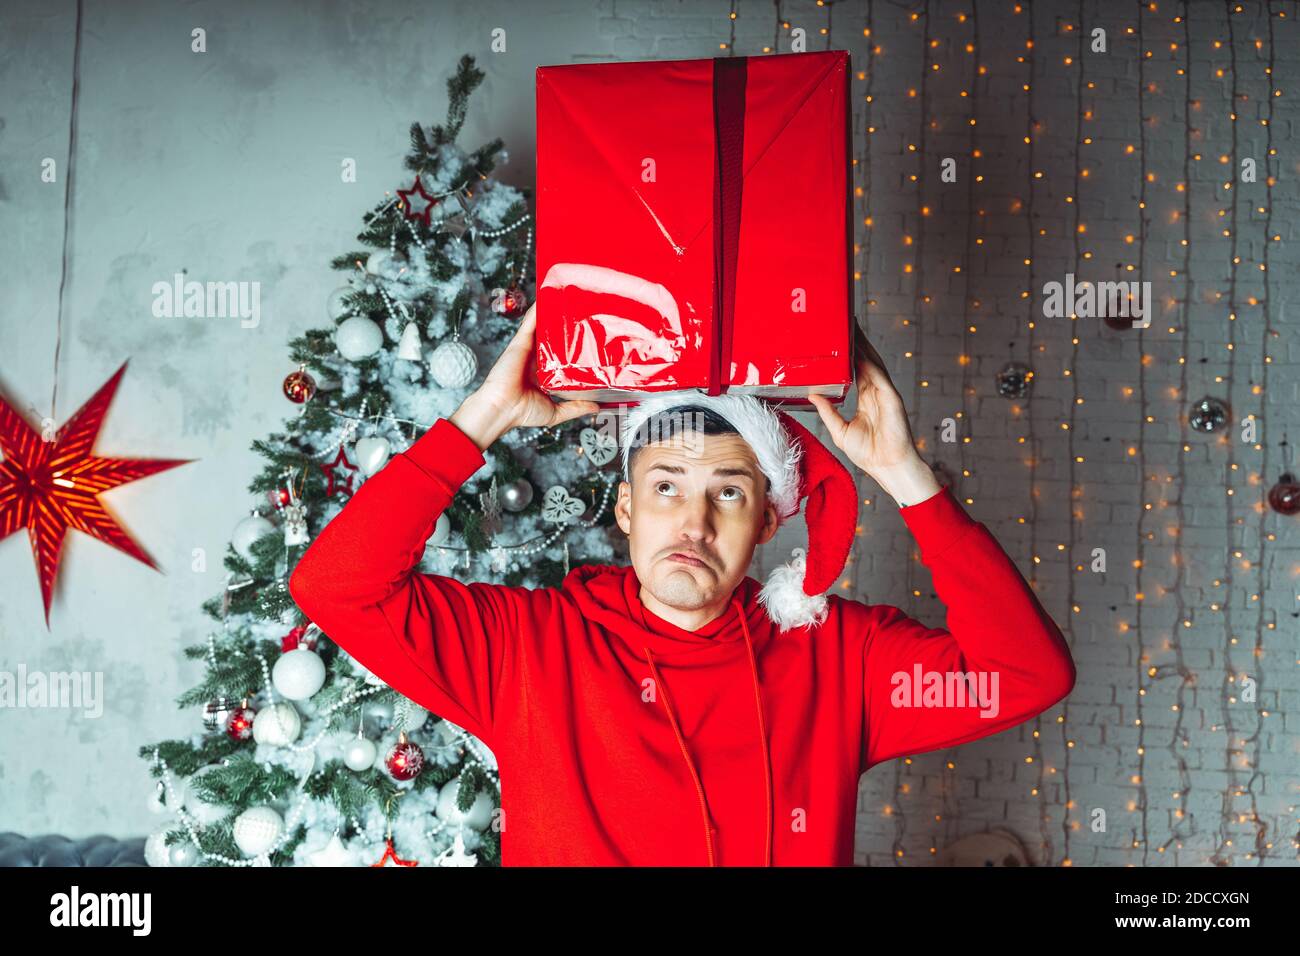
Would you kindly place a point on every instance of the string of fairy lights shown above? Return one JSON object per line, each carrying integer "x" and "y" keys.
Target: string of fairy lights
{"x": 861, "y": 252}
{"x": 1262, "y": 625}
{"x": 1079, "y": 62}
{"x": 1235, "y": 758}
{"x": 1158, "y": 648}
{"x": 951, "y": 789}
{"x": 1142, "y": 803}
{"x": 861, "y": 255}
{"x": 1030, "y": 437}
{"x": 902, "y": 782}
{"x": 1178, "y": 738}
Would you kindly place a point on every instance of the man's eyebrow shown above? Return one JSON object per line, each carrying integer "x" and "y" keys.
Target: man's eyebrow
{"x": 724, "y": 472}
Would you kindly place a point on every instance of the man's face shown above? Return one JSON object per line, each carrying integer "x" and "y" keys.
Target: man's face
{"x": 701, "y": 496}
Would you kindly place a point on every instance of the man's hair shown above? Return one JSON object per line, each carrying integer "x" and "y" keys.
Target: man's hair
{"x": 681, "y": 420}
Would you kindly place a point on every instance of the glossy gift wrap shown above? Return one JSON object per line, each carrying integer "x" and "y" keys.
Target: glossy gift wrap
{"x": 693, "y": 227}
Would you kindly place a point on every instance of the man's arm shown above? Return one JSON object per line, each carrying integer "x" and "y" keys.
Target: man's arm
{"x": 440, "y": 642}
{"x": 997, "y": 631}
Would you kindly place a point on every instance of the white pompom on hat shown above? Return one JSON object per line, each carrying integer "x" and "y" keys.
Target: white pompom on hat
{"x": 798, "y": 467}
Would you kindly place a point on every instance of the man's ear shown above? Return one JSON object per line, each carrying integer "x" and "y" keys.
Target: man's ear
{"x": 623, "y": 507}
{"x": 771, "y": 522}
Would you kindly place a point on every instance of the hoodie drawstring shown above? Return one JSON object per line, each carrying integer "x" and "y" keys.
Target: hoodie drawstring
{"x": 686, "y": 754}
{"x": 699, "y": 787}
{"x": 762, "y": 729}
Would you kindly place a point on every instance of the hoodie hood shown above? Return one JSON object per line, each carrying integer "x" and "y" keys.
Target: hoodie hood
{"x": 610, "y": 596}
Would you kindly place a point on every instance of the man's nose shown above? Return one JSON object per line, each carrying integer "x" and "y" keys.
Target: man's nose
{"x": 697, "y": 521}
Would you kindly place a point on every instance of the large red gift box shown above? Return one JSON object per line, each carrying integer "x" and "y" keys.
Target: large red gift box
{"x": 694, "y": 227}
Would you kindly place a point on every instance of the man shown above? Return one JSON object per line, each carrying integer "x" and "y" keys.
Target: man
{"x": 675, "y": 711}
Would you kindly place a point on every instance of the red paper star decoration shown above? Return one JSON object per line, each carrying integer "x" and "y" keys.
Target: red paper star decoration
{"x": 48, "y": 487}
{"x": 421, "y": 209}
{"x": 332, "y": 471}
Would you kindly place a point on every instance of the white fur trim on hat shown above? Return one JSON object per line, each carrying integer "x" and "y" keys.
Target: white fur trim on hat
{"x": 757, "y": 423}
{"x": 784, "y": 599}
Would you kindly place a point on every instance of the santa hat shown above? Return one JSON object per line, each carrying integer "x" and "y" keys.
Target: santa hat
{"x": 798, "y": 467}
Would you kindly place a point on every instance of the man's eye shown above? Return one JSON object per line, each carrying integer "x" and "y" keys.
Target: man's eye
{"x": 661, "y": 484}
{"x": 738, "y": 495}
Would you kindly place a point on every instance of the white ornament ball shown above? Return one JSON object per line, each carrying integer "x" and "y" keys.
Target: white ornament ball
{"x": 335, "y": 305}
{"x": 277, "y": 726}
{"x": 184, "y": 853}
{"x": 360, "y": 754}
{"x": 362, "y": 672}
{"x": 380, "y": 711}
{"x": 453, "y": 364}
{"x": 478, "y": 816}
{"x": 246, "y": 532}
{"x": 358, "y": 338}
{"x": 202, "y": 811}
{"x": 160, "y": 802}
{"x": 442, "y": 530}
{"x": 415, "y": 716}
{"x": 377, "y": 717}
{"x": 298, "y": 673}
{"x": 371, "y": 454}
{"x": 156, "y": 851}
{"x": 257, "y": 829}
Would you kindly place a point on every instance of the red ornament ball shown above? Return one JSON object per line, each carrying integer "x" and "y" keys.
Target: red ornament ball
{"x": 406, "y": 759}
{"x": 510, "y": 302}
{"x": 240, "y": 725}
{"x": 291, "y": 640}
{"x": 280, "y": 497}
{"x": 1284, "y": 497}
{"x": 299, "y": 387}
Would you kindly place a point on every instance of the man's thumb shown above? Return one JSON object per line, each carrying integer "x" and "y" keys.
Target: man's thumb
{"x": 834, "y": 422}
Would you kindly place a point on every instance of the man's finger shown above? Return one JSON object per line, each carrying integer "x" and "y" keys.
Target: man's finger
{"x": 574, "y": 408}
{"x": 871, "y": 367}
{"x": 834, "y": 422}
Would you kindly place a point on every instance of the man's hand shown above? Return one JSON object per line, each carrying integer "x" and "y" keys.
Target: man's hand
{"x": 879, "y": 438}
{"x": 510, "y": 398}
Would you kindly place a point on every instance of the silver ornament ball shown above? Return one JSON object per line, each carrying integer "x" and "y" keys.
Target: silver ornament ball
{"x": 517, "y": 495}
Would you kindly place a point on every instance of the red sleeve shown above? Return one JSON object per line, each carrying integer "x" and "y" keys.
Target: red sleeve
{"x": 442, "y": 643}
{"x": 996, "y": 627}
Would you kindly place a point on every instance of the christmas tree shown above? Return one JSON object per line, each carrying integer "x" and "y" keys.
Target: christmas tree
{"x": 302, "y": 757}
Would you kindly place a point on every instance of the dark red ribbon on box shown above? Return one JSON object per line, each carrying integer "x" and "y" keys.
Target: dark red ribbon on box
{"x": 729, "y": 76}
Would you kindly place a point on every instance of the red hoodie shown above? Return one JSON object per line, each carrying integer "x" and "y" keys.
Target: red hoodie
{"x": 624, "y": 739}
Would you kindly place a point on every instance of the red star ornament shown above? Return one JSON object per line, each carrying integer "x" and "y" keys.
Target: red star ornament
{"x": 331, "y": 470}
{"x": 48, "y": 487}
{"x": 421, "y": 206}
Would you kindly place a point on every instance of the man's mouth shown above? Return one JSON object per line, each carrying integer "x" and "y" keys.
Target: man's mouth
{"x": 686, "y": 559}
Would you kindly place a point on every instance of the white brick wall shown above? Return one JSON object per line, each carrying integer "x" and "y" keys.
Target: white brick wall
{"x": 908, "y": 808}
